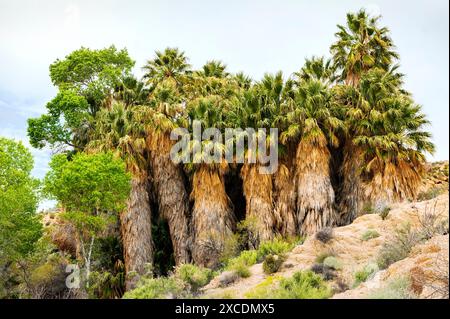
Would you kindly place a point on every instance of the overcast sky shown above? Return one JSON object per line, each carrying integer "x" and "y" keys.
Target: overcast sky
{"x": 251, "y": 36}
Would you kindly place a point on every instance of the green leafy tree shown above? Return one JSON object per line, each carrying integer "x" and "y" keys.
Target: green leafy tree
{"x": 90, "y": 188}
{"x": 20, "y": 226}
{"x": 85, "y": 79}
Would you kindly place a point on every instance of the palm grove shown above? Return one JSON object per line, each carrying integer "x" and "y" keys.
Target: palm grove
{"x": 349, "y": 134}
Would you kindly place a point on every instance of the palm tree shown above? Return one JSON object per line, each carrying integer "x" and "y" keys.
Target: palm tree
{"x": 119, "y": 130}
{"x": 314, "y": 125}
{"x": 168, "y": 177}
{"x": 393, "y": 140}
{"x": 131, "y": 91}
{"x": 360, "y": 46}
{"x": 171, "y": 64}
{"x": 319, "y": 69}
{"x": 168, "y": 74}
{"x": 259, "y": 108}
{"x": 212, "y": 214}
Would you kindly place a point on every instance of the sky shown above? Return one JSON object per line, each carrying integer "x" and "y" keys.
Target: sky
{"x": 251, "y": 36}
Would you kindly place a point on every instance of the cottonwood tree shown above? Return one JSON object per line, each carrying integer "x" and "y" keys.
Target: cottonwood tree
{"x": 90, "y": 188}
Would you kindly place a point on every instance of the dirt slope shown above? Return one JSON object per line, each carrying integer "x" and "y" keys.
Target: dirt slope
{"x": 354, "y": 253}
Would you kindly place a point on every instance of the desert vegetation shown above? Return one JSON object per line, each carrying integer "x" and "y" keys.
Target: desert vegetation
{"x": 139, "y": 225}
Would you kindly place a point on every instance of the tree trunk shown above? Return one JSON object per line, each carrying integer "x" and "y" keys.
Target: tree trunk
{"x": 315, "y": 194}
{"x": 351, "y": 191}
{"x": 284, "y": 199}
{"x": 259, "y": 204}
{"x": 172, "y": 199}
{"x": 212, "y": 216}
{"x": 136, "y": 231}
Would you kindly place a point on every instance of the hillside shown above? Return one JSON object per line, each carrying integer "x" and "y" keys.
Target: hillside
{"x": 426, "y": 264}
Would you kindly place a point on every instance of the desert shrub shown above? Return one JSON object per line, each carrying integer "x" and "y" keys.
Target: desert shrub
{"x": 368, "y": 208}
{"x": 369, "y": 234}
{"x": 159, "y": 288}
{"x": 398, "y": 288}
{"x": 324, "y": 235}
{"x": 398, "y": 247}
{"x": 432, "y": 223}
{"x": 106, "y": 285}
{"x": 384, "y": 213}
{"x": 340, "y": 286}
{"x": 326, "y": 272}
{"x": 302, "y": 285}
{"x": 431, "y": 193}
{"x": 226, "y": 278}
{"x": 272, "y": 263}
{"x": 332, "y": 262}
{"x": 240, "y": 265}
{"x": 242, "y": 270}
{"x": 196, "y": 277}
{"x": 323, "y": 255}
{"x": 365, "y": 273}
{"x": 231, "y": 249}
{"x": 277, "y": 246}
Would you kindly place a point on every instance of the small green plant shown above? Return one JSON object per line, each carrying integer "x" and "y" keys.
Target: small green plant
{"x": 398, "y": 288}
{"x": 385, "y": 212}
{"x": 324, "y": 235}
{"x": 277, "y": 246}
{"x": 302, "y": 285}
{"x": 323, "y": 255}
{"x": 196, "y": 277}
{"x": 240, "y": 265}
{"x": 365, "y": 273}
{"x": 431, "y": 193}
{"x": 369, "y": 234}
{"x": 333, "y": 263}
{"x": 272, "y": 263}
{"x": 368, "y": 208}
{"x": 159, "y": 288}
{"x": 398, "y": 247}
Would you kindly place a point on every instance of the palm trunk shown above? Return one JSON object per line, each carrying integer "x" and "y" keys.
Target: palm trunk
{"x": 315, "y": 194}
{"x": 284, "y": 199}
{"x": 172, "y": 199}
{"x": 258, "y": 190}
{"x": 136, "y": 231}
{"x": 350, "y": 194}
{"x": 213, "y": 219}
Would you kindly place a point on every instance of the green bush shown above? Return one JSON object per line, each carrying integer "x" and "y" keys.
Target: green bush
{"x": 365, "y": 273}
{"x": 196, "y": 277}
{"x": 323, "y": 255}
{"x": 272, "y": 263}
{"x": 276, "y": 246}
{"x": 431, "y": 193}
{"x": 385, "y": 212}
{"x": 398, "y": 288}
{"x": 159, "y": 288}
{"x": 333, "y": 263}
{"x": 369, "y": 234}
{"x": 302, "y": 285}
{"x": 399, "y": 247}
{"x": 240, "y": 265}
